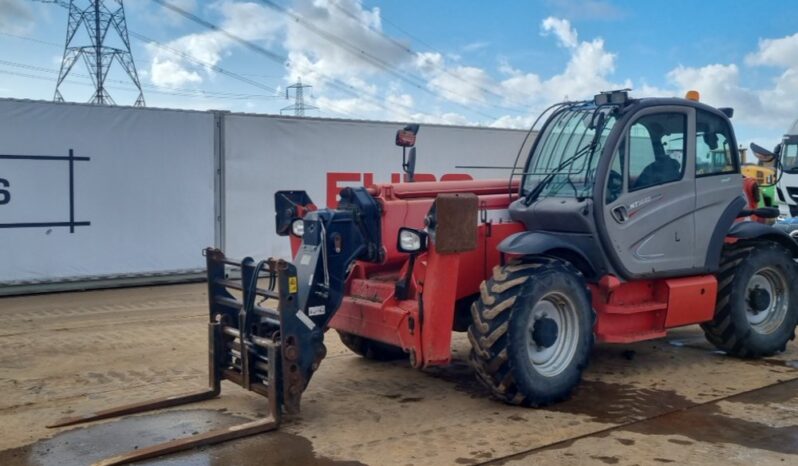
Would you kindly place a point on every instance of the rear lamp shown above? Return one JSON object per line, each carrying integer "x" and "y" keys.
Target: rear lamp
{"x": 412, "y": 240}
{"x": 298, "y": 227}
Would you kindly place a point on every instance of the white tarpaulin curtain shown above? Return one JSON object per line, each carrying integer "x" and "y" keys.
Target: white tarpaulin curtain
{"x": 147, "y": 191}
{"x": 149, "y": 197}
{"x": 265, "y": 154}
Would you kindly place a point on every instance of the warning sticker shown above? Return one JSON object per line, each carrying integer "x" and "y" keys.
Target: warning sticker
{"x": 292, "y": 288}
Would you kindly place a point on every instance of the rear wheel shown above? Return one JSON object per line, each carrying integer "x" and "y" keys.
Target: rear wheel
{"x": 371, "y": 349}
{"x": 757, "y": 307}
{"x": 532, "y": 332}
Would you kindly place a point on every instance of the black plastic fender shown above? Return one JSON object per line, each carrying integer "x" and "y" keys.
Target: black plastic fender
{"x": 527, "y": 243}
{"x": 754, "y": 230}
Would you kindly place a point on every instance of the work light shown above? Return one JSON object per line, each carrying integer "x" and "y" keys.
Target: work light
{"x": 298, "y": 227}
{"x": 412, "y": 240}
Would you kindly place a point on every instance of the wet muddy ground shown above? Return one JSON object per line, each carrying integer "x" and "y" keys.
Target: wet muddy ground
{"x": 674, "y": 400}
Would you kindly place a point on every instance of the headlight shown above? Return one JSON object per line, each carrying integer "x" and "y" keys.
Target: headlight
{"x": 298, "y": 227}
{"x": 412, "y": 240}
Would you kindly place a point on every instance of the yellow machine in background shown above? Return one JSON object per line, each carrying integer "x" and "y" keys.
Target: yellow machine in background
{"x": 764, "y": 176}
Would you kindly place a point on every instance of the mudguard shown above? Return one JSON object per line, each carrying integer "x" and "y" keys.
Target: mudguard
{"x": 528, "y": 243}
{"x": 755, "y": 230}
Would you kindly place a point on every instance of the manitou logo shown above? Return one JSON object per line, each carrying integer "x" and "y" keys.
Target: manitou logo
{"x": 338, "y": 180}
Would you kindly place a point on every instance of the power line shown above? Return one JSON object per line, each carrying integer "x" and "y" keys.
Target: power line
{"x": 172, "y": 50}
{"x": 216, "y": 68}
{"x": 333, "y": 82}
{"x": 415, "y": 54}
{"x": 155, "y": 89}
{"x": 159, "y": 88}
{"x": 28, "y": 38}
{"x": 363, "y": 55}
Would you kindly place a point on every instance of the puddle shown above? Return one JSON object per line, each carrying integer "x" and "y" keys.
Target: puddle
{"x": 82, "y": 446}
{"x": 613, "y": 403}
{"x": 709, "y": 424}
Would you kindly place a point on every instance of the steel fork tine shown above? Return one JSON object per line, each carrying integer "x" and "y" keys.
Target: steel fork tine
{"x": 187, "y": 443}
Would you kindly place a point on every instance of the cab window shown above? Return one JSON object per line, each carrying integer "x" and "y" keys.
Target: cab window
{"x": 714, "y": 154}
{"x": 656, "y": 150}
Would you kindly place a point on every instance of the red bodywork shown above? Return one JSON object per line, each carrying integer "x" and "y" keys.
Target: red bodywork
{"x": 422, "y": 323}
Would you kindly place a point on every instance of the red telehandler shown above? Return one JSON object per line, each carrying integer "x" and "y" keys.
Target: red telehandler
{"x": 607, "y": 233}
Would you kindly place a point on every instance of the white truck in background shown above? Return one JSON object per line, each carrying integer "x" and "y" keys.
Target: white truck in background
{"x": 787, "y": 187}
{"x": 785, "y": 158}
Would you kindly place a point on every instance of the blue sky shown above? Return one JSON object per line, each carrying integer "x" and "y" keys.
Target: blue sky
{"x": 465, "y": 62}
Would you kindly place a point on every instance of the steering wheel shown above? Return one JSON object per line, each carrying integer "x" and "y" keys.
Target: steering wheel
{"x": 614, "y": 186}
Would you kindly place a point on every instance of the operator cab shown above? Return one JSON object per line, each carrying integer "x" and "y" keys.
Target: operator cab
{"x": 638, "y": 188}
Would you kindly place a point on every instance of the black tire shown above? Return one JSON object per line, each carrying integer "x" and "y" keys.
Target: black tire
{"x": 504, "y": 332}
{"x": 371, "y": 349}
{"x": 738, "y": 328}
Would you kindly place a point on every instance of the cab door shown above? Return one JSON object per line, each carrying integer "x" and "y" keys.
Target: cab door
{"x": 718, "y": 182}
{"x": 650, "y": 221}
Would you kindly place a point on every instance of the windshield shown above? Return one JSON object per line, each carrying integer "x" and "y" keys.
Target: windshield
{"x": 564, "y": 153}
{"x": 790, "y": 157}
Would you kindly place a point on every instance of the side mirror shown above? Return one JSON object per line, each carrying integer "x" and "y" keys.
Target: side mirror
{"x": 410, "y": 165}
{"x": 764, "y": 155}
{"x": 406, "y": 137}
{"x": 711, "y": 140}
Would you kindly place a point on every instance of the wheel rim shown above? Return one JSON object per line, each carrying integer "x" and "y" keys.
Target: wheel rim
{"x": 552, "y": 334}
{"x": 766, "y": 300}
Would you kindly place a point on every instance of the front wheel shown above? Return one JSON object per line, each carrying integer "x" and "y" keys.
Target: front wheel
{"x": 757, "y": 307}
{"x": 532, "y": 331}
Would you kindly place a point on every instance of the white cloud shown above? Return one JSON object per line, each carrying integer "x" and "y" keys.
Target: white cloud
{"x": 719, "y": 85}
{"x": 461, "y": 84}
{"x": 344, "y": 40}
{"x": 587, "y": 71}
{"x": 16, "y": 16}
{"x": 247, "y": 20}
{"x": 772, "y": 107}
{"x": 351, "y": 106}
{"x": 515, "y": 121}
{"x": 475, "y": 46}
{"x": 444, "y": 118}
{"x": 346, "y": 25}
{"x": 778, "y": 104}
{"x": 562, "y": 29}
{"x": 168, "y": 72}
{"x": 776, "y": 52}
